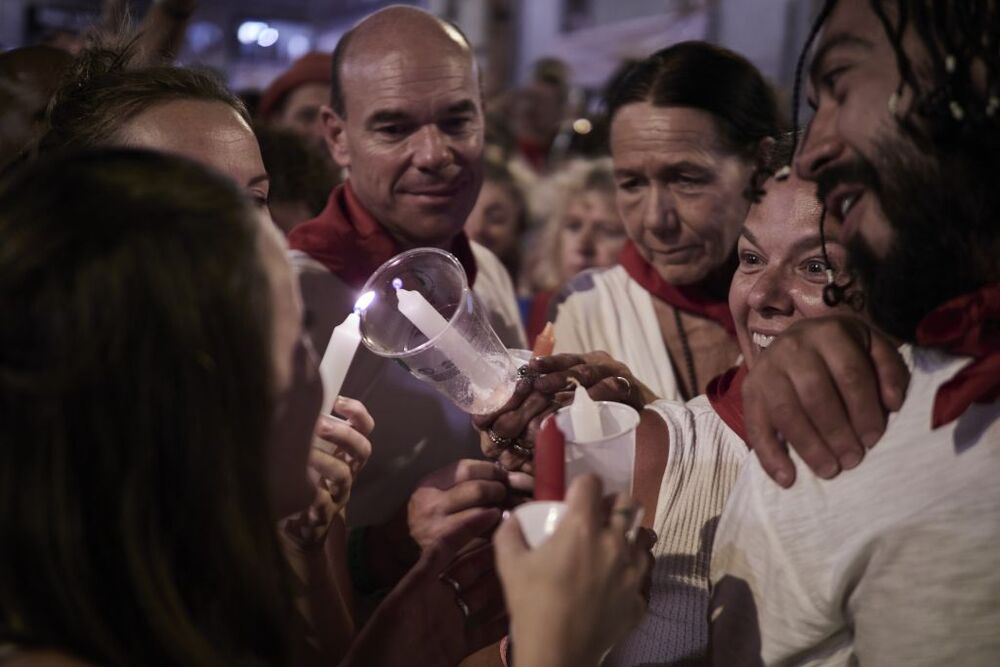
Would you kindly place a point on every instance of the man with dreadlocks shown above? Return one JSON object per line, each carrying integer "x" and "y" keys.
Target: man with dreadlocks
{"x": 894, "y": 562}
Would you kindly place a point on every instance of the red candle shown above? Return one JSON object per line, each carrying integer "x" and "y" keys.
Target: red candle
{"x": 550, "y": 462}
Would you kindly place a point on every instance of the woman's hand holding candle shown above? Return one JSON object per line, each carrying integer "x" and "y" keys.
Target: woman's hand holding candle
{"x": 339, "y": 452}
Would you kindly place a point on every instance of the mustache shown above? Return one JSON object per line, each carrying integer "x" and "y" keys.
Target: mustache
{"x": 858, "y": 171}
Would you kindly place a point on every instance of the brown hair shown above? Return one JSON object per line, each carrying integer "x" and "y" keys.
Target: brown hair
{"x": 102, "y": 92}
{"x": 136, "y": 392}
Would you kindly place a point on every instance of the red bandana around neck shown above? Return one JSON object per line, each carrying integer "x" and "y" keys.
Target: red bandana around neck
{"x": 725, "y": 395}
{"x": 348, "y": 241}
{"x": 686, "y": 298}
{"x": 969, "y": 326}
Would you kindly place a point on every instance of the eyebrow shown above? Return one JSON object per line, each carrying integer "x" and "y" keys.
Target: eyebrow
{"x": 391, "y": 116}
{"x": 839, "y": 40}
{"x": 811, "y": 241}
{"x": 258, "y": 179}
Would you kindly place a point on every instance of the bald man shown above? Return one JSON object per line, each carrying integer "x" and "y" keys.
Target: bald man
{"x": 406, "y": 121}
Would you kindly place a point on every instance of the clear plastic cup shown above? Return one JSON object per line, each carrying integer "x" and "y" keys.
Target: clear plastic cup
{"x": 464, "y": 358}
{"x": 539, "y": 519}
{"x": 612, "y": 458}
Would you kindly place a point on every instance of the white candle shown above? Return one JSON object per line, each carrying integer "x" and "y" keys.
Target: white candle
{"x": 450, "y": 342}
{"x": 340, "y": 351}
{"x": 586, "y": 417}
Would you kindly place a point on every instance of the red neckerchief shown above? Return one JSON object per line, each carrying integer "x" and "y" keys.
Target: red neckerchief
{"x": 967, "y": 326}
{"x": 686, "y": 298}
{"x": 348, "y": 241}
{"x": 725, "y": 395}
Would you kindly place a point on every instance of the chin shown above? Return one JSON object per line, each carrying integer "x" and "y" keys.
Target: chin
{"x": 682, "y": 274}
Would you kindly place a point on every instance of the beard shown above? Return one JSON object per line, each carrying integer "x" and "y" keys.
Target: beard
{"x": 944, "y": 211}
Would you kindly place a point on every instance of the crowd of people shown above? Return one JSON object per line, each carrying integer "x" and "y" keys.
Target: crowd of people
{"x": 805, "y": 319}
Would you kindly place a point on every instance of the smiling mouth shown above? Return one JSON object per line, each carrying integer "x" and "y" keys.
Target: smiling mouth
{"x": 761, "y": 340}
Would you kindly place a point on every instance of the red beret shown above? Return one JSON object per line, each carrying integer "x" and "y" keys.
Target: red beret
{"x": 314, "y": 67}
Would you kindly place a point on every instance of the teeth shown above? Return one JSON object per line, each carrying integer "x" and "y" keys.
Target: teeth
{"x": 846, "y": 204}
{"x": 762, "y": 341}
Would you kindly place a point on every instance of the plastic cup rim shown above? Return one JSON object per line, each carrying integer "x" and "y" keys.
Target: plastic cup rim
{"x": 398, "y": 259}
{"x": 617, "y": 434}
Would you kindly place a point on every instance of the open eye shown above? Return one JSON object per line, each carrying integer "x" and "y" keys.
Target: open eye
{"x": 750, "y": 259}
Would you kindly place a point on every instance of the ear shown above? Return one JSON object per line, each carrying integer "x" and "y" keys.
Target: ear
{"x": 335, "y": 134}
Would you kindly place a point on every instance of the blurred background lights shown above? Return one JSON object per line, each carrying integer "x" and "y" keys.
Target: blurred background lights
{"x": 582, "y": 126}
{"x": 249, "y": 31}
{"x": 267, "y": 37}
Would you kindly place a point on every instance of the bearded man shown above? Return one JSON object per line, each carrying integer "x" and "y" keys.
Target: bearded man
{"x": 893, "y": 562}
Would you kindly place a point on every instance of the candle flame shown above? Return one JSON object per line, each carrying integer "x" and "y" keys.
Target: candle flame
{"x": 364, "y": 301}
{"x": 397, "y": 283}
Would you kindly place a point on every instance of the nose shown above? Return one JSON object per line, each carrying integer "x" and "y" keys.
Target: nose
{"x": 770, "y": 295}
{"x": 430, "y": 149}
{"x": 821, "y": 145}
{"x": 659, "y": 215}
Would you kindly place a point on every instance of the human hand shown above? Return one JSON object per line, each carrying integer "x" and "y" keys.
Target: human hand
{"x": 509, "y": 433}
{"x": 445, "y": 608}
{"x": 339, "y": 452}
{"x": 581, "y": 591}
{"x": 450, "y": 496}
{"x": 826, "y": 385}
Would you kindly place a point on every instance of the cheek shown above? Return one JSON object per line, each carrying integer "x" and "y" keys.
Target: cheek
{"x": 808, "y": 300}
{"x": 630, "y": 212}
{"x": 739, "y": 291}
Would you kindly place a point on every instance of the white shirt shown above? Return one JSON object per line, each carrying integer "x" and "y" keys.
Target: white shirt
{"x": 703, "y": 464}
{"x": 896, "y": 562}
{"x": 607, "y": 310}
{"x": 417, "y": 430}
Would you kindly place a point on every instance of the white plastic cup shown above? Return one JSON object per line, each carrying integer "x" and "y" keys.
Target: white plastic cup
{"x": 539, "y": 519}
{"x": 612, "y": 458}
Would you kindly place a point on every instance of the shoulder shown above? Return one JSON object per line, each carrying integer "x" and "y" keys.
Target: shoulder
{"x": 585, "y": 285}
{"x": 491, "y": 274}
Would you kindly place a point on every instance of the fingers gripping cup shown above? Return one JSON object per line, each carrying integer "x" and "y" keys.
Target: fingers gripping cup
{"x": 418, "y": 308}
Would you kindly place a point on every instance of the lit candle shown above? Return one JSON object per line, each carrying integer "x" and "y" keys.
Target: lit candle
{"x": 586, "y": 417}
{"x": 545, "y": 342}
{"x": 449, "y": 342}
{"x": 340, "y": 351}
{"x": 550, "y": 462}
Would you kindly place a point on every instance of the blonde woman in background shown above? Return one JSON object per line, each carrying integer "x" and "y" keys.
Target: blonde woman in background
{"x": 583, "y": 231}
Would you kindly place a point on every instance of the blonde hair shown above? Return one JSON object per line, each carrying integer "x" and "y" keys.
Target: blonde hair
{"x": 548, "y": 203}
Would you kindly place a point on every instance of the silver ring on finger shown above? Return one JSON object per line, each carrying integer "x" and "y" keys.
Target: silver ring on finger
{"x": 626, "y": 382}
{"x": 452, "y": 583}
{"x": 522, "y": 451}
{"x": 462, "y": 606}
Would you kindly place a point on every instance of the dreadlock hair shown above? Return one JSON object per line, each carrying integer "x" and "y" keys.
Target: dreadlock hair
{"x": 951, "y": 106}
{"x": 951, "y": 111}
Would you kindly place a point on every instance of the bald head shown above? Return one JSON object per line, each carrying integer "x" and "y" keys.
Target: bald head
{"x": 395, "y": 32}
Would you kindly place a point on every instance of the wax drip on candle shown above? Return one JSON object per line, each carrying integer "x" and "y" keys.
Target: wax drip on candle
{"x": 585, "y": 415}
